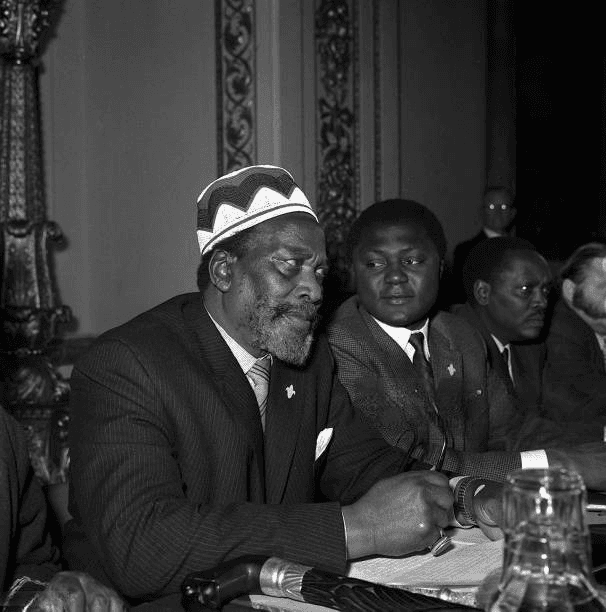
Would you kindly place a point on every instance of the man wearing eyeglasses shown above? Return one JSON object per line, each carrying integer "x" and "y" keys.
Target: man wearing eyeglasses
{"x": 498, "y": 214}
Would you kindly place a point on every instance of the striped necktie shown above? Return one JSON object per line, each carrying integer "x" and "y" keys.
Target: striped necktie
{"x": 259, "y": 374}
{"x": 423, "y": 367}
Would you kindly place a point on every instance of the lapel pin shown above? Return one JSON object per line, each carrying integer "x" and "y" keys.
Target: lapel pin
{"x": 451, "y": 369}
{"x": 290, "y": 391}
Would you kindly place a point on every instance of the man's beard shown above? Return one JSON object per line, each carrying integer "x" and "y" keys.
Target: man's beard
{"x": 274, "y": 332}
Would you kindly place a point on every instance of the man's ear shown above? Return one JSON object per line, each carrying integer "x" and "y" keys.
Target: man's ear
{"x": 219, "y": 270}
{"x": 481, "y": 292}
{"x": 568, "y": 287}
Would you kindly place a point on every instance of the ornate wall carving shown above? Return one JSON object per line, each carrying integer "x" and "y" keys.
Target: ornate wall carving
{"x": 30, "y": 309}
{"x": 236, "y": 104}
{"x": 336, "y": 108}
{"x": 337, "y": 189}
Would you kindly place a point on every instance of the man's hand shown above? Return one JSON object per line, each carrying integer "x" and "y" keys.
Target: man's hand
{"x": 588, "y": 459}
{"x": 488, "y": 509}
{"x": 77, "y": 592}
{"x": 399, "y": 515}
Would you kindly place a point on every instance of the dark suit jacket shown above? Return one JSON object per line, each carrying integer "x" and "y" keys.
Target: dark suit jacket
{"x": 383, "y": 384}
{"x": 169, "y": 470}
{"x": 524, "y": 424}
{"x": 575, "y": 375}
{"x": 26, "y": 548}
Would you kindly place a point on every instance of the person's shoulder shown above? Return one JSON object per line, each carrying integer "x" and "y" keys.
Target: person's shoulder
{"x": 163, "y": 324}
{"x": 163, "y": 314}
{"x": 347, "y": 311}
{"x": 466, "y": 312}
{"x": 13, "y": 443}
{"x": 457, "y": 328}
{"x": 345, "y": 320}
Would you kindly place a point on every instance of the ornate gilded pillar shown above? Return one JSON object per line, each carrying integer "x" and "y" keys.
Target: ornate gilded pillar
{"x": 29, "y": 303}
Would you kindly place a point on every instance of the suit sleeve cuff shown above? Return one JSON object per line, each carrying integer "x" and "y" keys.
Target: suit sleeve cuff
{"x": 534, "y": 459}
{"x": 22, "y": 593}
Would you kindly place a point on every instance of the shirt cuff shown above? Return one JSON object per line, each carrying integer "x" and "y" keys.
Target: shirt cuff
{"x": 22, "y": 594}
{"x": 534, "y": 459}
{"x": 344, "y": 531}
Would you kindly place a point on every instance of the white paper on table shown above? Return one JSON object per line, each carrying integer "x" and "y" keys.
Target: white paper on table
{"x": 466, "y": 564}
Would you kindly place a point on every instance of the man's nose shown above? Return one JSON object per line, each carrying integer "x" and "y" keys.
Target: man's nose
{"x": 309, "y": 286}
{"x": 395, "y": 273}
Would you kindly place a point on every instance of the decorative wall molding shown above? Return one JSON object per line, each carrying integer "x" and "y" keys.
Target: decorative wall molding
{"x": 337, "y": 138}
{"x": 236, "y": 84}
{"x": 376, "y": 29}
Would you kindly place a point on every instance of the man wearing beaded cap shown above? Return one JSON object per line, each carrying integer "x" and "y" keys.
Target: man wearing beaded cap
{"x": 174, "y": 469}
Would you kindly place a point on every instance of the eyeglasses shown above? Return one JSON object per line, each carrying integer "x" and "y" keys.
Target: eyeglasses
{"x": 503, "y": 207}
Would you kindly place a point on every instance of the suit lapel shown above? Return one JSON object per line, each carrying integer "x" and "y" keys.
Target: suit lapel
{"x": 402, "y": 371}
{"x": 447, "y": 372}
{"x": 496, "y": 360}
{"x": 224, "y": 371}
{"x": 499, "y": 363}
{"x": 286, "y": 403}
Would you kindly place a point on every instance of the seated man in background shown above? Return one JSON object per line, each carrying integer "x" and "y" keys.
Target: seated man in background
{"x": 575, "y": 375}
{"x": 30, "y": 569}
{"x": 210, "y": 426}
{"x": 408, "y": 367}
{"x": 498, "y": 213}
{"x": 508, "y": 283}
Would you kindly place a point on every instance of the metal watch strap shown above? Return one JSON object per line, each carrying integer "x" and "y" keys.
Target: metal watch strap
{"x": 464, "y": 492}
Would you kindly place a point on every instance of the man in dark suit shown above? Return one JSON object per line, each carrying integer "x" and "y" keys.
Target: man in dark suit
{"x": 30, "y": 567}
{"x": 498, "y": 213}
{"x": 576, "y": 340}
{"x": 397, "y": 248}
{"x": 508, "y": 282}
{"x": 213, "y": 426}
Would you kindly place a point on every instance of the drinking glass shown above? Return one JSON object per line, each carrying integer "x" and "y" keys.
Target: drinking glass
{"x": 547, "y": 547}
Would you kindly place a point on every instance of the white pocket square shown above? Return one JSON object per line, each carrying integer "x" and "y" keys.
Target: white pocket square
{"x": 322, "y": 442}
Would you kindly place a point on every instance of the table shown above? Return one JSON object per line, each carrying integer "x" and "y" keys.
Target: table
{"x": 453, "y": 576}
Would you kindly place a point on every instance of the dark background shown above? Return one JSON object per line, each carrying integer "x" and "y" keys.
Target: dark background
{"x": 560, "y": 117}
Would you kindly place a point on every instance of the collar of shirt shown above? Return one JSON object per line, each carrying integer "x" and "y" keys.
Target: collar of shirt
{"x": 601, "y": 342}
{"x": 491, "y": 233}
{"x": 501, "y": 348}
{"x": 499, "y": 344}
{"x": 401, "y": 335}
{"x": 243, "y": 357}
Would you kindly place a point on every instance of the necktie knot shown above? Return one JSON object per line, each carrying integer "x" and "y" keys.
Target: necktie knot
{"x": 416, "y": 341}
{"x": 259, "y": 375}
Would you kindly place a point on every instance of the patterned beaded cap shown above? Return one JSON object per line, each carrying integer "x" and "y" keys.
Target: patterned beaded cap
{"x": 244, "y": 198}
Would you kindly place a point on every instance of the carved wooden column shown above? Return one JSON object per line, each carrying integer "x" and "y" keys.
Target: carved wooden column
{"x": 29, "y": 303}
